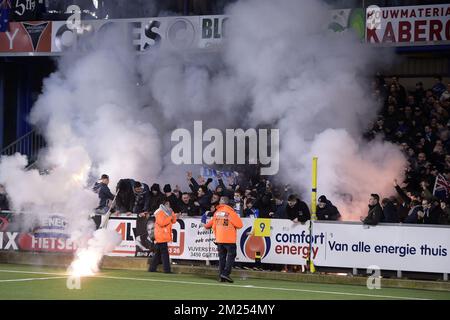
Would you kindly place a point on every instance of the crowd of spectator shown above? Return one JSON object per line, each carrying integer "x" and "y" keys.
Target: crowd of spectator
{"x": 418, "y": 122}
{"x": 257, "y": 198}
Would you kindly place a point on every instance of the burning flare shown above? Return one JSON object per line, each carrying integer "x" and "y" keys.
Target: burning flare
{"x": 87, "y": 260}
{"x": 85, "y": 264}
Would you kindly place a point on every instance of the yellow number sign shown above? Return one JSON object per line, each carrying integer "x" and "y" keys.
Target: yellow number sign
{"x": 261, "y": 227}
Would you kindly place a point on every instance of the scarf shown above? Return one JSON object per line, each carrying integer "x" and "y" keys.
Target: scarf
{"x": 165, "y": 210}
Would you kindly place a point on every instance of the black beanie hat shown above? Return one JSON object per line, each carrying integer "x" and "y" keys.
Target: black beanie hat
{"x": 167, "y": 188}
{"x": 322, "y": 199}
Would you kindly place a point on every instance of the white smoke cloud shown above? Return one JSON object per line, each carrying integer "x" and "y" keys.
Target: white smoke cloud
{"x": 93, "y": 122}
{"x": 279, "y": 66}
{"x": 313, "y": 84}
{"x": 93, "y": 104}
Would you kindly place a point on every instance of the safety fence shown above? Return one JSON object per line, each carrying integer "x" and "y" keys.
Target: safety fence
{"x": 29, "y": 144}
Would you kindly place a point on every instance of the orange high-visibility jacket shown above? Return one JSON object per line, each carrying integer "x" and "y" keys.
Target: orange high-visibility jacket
{"x": 224, "y": 223}
{"x": 163, "y": 226}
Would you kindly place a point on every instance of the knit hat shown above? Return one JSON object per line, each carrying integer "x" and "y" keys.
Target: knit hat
{"x": 155, "y": 187}
{"x": 167, "y": 188}
{"x": 323, "y": 199}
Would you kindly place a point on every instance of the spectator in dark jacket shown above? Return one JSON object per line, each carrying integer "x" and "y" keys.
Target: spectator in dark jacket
{"x": 172, "y": 198}
{"x": 426, "y": 193}
{"x": 124, "y": 195}
{"x": 193, "y": 184}
{"x": 250, "y": 211}
{"x": 203, "y": 199}
{"x": 141, "y": 198}
{"x": 326, "y": 210}
{"x": 141, "y": 207}
{"x": 215, "y": 199}
{"x": 156, "y": 197}
{"x": 375, "y": 213}
{"x": 238, "y": 204}
{"x": 419, "y": 93}
{"x": 221, "y": 189}
{"x": 402, "y": 194}
{"x": 265, "y": 205}
{"x": 401, "y": 208}
{"x": 279, "y": 206}
{"x": 187, "y": 206}
{"x": 104, "y": 194}
{"x": 438, "y": 87}
{"x": 445, "y": 218}
{"x": 4, "y": 203}
{"x": 413, "y": 214}
{"x": 432, "y": 212}
{"x": 297, "y": 210}
{"x": 177, "y": 192}
{"x": 390, "y": 214}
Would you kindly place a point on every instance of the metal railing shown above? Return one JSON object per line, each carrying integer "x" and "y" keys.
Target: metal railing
{"x": 29, "y": 145}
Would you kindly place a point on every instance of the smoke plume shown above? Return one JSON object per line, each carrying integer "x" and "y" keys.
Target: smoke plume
{"x": 111, "y": 111}
{"x": 281, "y": 67}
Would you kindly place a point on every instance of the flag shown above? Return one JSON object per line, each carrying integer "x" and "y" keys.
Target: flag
{"x": 441, "y": 187}
{"x": 312, "y": 268}
{"x": 5, "y": 8}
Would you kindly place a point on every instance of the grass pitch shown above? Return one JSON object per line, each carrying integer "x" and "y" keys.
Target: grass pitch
{"x": 36, "y": 283}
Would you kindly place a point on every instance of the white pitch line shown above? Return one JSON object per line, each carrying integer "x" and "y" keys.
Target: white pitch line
{"x": 265, "y": 288}
{"x": 229, "y": 285}
{"x": 34, "y": 272}
{"x": 31, "y": 279}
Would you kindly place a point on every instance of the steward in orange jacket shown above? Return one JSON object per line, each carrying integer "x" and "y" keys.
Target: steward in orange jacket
{"x": 163, "y": 224}
{"x": 225, "y": 223}
{"x": 164, "y": 219}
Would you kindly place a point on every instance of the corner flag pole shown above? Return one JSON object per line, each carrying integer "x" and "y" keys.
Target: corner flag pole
{"x": 313, "y": 210}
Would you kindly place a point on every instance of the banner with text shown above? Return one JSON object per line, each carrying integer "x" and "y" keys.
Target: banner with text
{"x": 288, "y": 243}
{"x": 125, "y": 225}
{"x": 171, "y": 33}
{"x": 190, "y": 240}
{"x": 26, "y": 37}
{"x": 408, "y": 26}
{"x": 390, "y": 247}
{"x": 348, "y": 245}
{"x": 332, "y": 244}
{"x": 46, "y": 234}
